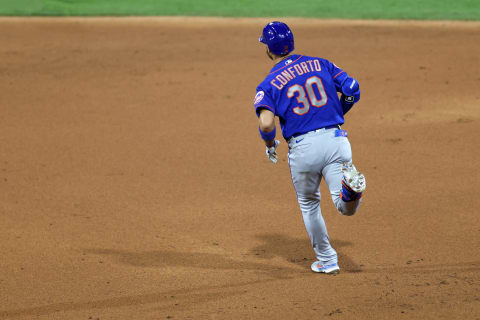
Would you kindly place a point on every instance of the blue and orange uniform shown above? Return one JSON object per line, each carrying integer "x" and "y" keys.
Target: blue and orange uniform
{"x": 303, "y": 92}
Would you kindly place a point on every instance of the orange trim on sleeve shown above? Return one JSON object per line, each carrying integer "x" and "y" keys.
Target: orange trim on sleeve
{"x": 338, "y": 74}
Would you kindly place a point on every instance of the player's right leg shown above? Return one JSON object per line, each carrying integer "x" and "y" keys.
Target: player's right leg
{"x": 308, "y": 195}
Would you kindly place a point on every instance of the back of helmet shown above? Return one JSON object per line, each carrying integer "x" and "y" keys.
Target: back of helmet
{"x": 278, "y": 37}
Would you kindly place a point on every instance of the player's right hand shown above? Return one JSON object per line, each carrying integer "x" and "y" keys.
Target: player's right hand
{"x": 272, "y": 152}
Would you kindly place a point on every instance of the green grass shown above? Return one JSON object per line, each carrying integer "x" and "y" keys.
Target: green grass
{"x": 352, "y": 9}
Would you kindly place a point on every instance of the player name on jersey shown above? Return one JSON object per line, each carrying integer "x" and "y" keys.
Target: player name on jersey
{"x": 296, "y": 70}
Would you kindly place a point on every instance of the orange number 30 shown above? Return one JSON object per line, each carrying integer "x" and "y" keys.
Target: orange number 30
{"x": 312, "y": 97}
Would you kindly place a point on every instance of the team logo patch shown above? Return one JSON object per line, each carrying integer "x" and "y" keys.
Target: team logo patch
{"x": 258, "y": 97}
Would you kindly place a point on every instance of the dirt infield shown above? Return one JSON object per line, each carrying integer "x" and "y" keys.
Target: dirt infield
{"x": 133, "y": 184}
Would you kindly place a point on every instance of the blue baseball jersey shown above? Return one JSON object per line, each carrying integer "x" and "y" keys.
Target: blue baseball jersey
{"x": 302, "y": 92}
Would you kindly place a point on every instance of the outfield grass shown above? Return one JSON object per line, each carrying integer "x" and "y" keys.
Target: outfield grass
{"x": 351, "y": 9}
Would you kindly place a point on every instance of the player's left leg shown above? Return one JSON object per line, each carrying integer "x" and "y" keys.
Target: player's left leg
{"x": 346, "y": 184}
{"x": 337, "y": 176}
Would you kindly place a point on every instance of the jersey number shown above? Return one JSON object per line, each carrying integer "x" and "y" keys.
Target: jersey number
{"x": 312, "y": 97}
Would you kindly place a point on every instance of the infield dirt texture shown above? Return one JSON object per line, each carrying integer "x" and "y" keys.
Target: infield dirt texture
{"x": 133, "y": 184}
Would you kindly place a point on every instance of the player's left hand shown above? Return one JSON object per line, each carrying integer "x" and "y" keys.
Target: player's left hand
{"x": 272, "y": 152}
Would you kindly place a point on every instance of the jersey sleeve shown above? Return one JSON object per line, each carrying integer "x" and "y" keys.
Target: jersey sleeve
{"x": 338, "y": 75}
{"x": 263, "y": 101}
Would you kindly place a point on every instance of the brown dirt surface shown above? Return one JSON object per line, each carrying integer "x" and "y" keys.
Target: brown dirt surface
{"x": 133, "y": 183}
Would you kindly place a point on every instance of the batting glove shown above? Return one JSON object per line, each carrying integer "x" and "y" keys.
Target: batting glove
{"x": 272, "y": 152}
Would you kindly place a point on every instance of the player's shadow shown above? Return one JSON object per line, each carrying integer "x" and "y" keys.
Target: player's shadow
{"x": 299, "y": 251}
{"x": 164, "y": 300}
{"x": 203, "y": 260}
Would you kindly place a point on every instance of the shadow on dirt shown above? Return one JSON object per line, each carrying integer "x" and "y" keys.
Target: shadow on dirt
{"x": 296, "y": 251}
{"x": 299, "y": 251}
{"x": 168, "y": 300}
{"x": 293, "y": 250}
{"x": 203, "y": 260}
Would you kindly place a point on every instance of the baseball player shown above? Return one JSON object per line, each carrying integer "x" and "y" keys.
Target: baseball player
{"x": 303, "y": 92}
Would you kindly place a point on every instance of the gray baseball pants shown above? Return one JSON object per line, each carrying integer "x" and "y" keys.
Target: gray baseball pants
{"x": 312, "y": 156}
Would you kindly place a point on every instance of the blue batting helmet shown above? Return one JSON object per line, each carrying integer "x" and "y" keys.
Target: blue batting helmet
{"x": 278, "y": 37}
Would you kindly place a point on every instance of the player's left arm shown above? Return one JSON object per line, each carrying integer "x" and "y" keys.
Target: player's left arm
{"x": 346, "y": 85}
{"x": 350, "y": 94}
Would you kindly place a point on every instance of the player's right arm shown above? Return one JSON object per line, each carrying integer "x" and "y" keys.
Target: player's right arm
{"x": 266, "y": 124}
{"x": 265, "y": 110}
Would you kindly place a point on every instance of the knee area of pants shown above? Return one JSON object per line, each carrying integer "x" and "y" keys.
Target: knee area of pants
{"x": 309, "y": 201}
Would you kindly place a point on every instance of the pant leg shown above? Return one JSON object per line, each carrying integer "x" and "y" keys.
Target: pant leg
{"x": 333, "y": 175}
{"x": 306, "y": 180}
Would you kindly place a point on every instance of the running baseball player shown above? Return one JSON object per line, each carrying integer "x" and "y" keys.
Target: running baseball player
{"x": 303, "y": 92}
